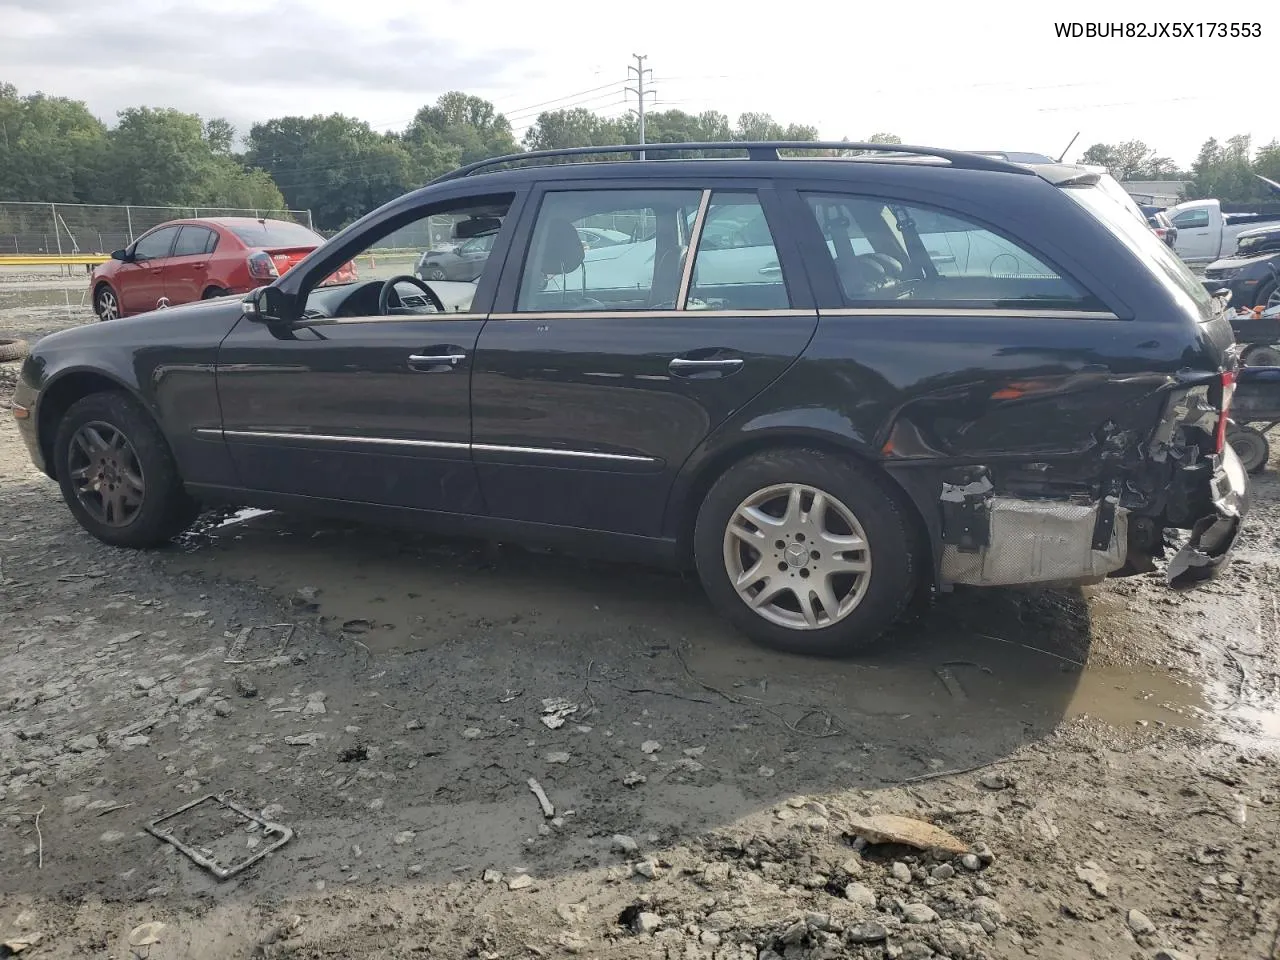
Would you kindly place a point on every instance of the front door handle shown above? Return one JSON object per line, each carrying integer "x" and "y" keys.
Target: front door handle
{"x": 447, "y": 357}
{"x": 683, "y": 367}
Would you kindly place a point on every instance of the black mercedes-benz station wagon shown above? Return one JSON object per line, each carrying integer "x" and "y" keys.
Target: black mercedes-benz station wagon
{"x": 828, "y": 383}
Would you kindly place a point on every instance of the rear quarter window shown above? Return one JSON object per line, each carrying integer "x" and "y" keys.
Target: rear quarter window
{"x": 1146, "y": 246}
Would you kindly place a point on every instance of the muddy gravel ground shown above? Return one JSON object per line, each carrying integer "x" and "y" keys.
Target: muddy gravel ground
{"x": 1108, "y": 758}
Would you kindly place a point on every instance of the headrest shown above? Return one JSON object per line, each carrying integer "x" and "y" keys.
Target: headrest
{"x": 561, "y": 249}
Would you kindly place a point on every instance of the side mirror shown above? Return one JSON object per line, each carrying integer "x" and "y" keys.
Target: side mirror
{"x": 266, "y": 305}
{"x": 121, "y": 255}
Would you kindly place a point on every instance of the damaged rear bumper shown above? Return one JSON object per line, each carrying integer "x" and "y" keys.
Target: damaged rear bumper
{"x": 989, "y": 539}
{"x": 1214, "y": 535}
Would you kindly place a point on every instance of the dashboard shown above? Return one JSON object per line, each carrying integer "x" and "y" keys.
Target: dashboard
{"x": 361, "y": 299}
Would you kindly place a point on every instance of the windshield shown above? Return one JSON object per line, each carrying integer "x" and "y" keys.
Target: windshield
{"x": 276, "y": 233}
{"x": 1142, "y": 241}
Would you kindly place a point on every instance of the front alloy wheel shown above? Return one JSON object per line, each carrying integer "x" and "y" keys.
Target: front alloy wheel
{"x": 108, "y": 306}
{"x": 797, "y": 556}
{"x": 105, "y": 473}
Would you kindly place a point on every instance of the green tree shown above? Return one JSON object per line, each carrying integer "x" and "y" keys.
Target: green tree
{"x": 220, "y": 135}
{"x": 158, "y": 156}
{"x": 458, "y": 129}
{"x": 1131, "y": 160}
{"x": 50, "y": 148}
{"x": 338, "y": 167}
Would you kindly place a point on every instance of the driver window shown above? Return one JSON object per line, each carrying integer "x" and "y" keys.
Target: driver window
{"x": 640, "y": 268}
{"x": 437, "y": 260}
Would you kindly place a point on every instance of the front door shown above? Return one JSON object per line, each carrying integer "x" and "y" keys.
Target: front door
{"x": 367, "y": 398}
{"x": 186, "y": 276}
{"x": 142, "y": 279}
{"x": 609, "y": 366}
{"x": 1196, "y": 239}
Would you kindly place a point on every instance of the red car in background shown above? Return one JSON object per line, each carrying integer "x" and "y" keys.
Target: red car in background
{"x": 185, "y": 260}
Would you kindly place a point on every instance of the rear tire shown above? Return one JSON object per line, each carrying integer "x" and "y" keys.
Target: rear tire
{"x": 1250, "y": 445}
{"x": 1263, "y": 355}
{"x": 844, "y": 536}
{"x": 12, "y": 350}
{"x": 117, "y": 474}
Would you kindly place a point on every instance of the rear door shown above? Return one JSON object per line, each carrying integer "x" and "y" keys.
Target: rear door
{"x": 142, "y": 283}
{"x": 187, "y": 273}
{"x": 602, "y": 370}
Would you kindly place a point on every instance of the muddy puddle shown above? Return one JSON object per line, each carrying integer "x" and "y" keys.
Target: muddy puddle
{"x": 1007, "y": 656}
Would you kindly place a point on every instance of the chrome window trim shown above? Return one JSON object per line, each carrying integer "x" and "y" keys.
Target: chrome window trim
{"x": 691, "y": 254}
{"x": 430, "y": 444}
{"x": 396, "y": 318}
{"x": 652, "y": 314}
{"x": 1024, "y": 312}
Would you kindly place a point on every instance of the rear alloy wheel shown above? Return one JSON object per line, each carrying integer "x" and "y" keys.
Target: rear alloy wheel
{"x": 117, "y": 474}
{"x": 805, "y": 552}
{"x": 105, "y": 304}
{"x": 1250, "y": 445}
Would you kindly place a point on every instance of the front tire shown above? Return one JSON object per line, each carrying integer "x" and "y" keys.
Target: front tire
{"x": 433, "y": 273}
{"x": 805, "y": 552}
{"x": 117, "y": 474}
{"x": 213, "y": 293}
{"x": 106, "y": 304}
{"x": 1267, "y": 294}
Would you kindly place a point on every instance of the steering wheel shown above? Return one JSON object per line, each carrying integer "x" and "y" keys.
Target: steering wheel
{"x": 389, "y": 288}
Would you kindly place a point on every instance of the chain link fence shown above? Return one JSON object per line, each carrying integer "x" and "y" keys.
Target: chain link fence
{"x": 35, "y": 229}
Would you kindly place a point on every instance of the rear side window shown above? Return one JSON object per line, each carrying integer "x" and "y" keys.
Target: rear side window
{"x": 193, "y": 241}
{"x": 736, "y": 267}
{"x": 155, "y": 245}
{"x": 909, "y": 256}
{"x": 561, "y": 274}
{"x": 276, "y": 233}
{"x": 1190, "y": 219}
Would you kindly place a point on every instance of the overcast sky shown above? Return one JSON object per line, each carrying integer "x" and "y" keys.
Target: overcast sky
{"x": 976, "y": 75}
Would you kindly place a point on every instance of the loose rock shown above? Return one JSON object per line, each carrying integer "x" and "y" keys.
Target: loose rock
{"x": 1140, "y": 923}
{"x": 645, "y": 922}
{"x": 861, "y": 895}
{"x": 492, "y": 876}
{"x": 919, "y": 913}
{"x": 558, "y": 757}
{"x": 900, "y": 872}
{"x": 624, "y": 844}
{"x": 650, "y": 746}
{"x": 1095, "y": 877}
{"x": 867, "y": 933}
{"x": 891, "y": 828}
{"x": 970, "y": 861}
{"x": 521, "y": 882}
{"x": 943, "y": 871}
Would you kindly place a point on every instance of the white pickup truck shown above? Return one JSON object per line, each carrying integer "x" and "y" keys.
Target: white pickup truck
{"x": 1205, "y": 233}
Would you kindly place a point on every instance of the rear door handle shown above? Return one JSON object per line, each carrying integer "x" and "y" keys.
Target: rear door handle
{"x": 682, "y": 367}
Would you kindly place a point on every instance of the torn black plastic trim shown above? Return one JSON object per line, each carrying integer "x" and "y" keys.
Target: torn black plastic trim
{"x": 1214, "y": 535}
{"x": 1205, "y": 553}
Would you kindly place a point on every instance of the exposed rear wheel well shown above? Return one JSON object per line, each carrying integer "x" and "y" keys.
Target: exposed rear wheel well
{"x": 716, "y": 467}
{"x": 57, "y": 400}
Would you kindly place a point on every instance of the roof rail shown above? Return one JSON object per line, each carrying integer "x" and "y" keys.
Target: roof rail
{"x": 755, "y": 149}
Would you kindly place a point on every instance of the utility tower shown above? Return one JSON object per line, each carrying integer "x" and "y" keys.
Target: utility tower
{"x": 640, "y": 90}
